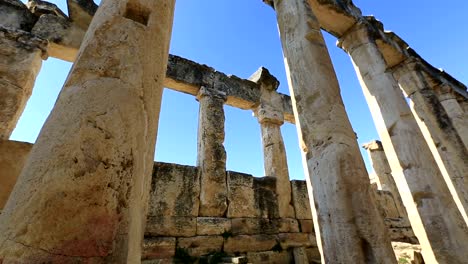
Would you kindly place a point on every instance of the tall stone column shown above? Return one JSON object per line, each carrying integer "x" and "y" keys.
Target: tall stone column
{"x": 211, "y": 160}
{"x": 83, "y": 192}
{"x": 456, "y": 113}
{"x": 21, "y": 55}
{"x": 349, "y": 226}
{"x": 384, "y": 173}
{"x": 437, "y": 128}
{"x": 434, "y": 216}
{"x": 270, "y": 116}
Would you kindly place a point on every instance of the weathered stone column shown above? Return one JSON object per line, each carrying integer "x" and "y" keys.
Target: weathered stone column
{"x": 348, "y": 224}
{"x": 437, "y": 128}
{"x": 434, "y": 216}
{"x": 456, "y": 113}
{"x": 270, "y": 116}
{"x": 21, "y": 55}
{"x": 211, "y": 160}
{"x": 83, "y": 192}
{"x": 384, "y": 173}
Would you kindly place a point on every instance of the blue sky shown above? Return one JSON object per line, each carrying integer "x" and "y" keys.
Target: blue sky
{"x": 237, "y": 37}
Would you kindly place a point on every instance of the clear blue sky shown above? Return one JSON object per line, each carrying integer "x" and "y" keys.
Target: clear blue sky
{"x": 237, "y": 37}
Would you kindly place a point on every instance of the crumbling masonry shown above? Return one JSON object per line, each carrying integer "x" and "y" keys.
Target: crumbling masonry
{"x": 93, "y": 160}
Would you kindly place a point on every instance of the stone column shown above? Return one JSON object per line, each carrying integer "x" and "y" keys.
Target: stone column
{"x": 456, "y": 113}
{"x": 83, "y": 192}
{"x": 211, "y": 160}
{"x": 270, "y": 116}
{"x": 384, "y": 173}
{"x": 437, "y": 128}
{"x": 434, "y": 216}
{"x": 21, "y": 55}
{"x": 347, "y": 221}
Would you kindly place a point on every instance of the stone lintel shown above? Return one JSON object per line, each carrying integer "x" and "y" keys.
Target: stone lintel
{"x": 187, "y": 76}
{"x": 25, "y": 40}
{"x": 375, "y": 145}
{"x": 38, "y": 8}
{"x": 211, "y": 92}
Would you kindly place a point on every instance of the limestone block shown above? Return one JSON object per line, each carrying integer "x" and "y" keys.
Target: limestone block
{"x": 306, "y": 225}
{"x": 158, "y": 248}
{"x": 300, "y": 255}
{"x": 201, "y": 245}
{"x": 240, "y": 195}
{"x": 270, "y": 257}
{"x": 300, "y": 199}
{"x": 251, "y": 226}
{"x": 291, "y": 240}
{"x": 20, "y": 62}
{"x": 249, "y": 243}
{"x": 313, "y": 255}
{"x": 175, "y": 190}
{"x": 158, "y": 261}
{"x": 251, "y": 197}
{"x": 212, "y": 226}
{"x": 65, "y": 37}
{"x": 15, "y": 14}
{"x": 388, "y": 204}
{"x": 408, "y": 253}
{"x": 13, "y": 154}
{"x": 171, "y": 226}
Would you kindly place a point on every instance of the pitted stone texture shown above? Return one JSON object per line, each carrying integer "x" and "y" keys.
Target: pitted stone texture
{"x": 211, "y": 160}
{"x": 252, "y": 226}
{"x": 84, "y": 190}
{"x": 249, "y": 243}
{"x": 64, "y": 36}
{"x": 175, "y": 226}
{"x": 292, "y": 240}
{"x": 201, "y": 245}
{"x": 270, "y": 116}
{"x": 300, "y": 255}
{"x": 13, "y": 155}
{"x": 313, "y": 255}
{"x": 20, "y": 62}
{"x": 300, "y": 200}
{"x": 175, "y": 190}
{"x": 158, "y": 248}
{"x": 306, "y": 225}
{"x": 388, "y": 204}
{"x": 335, "y": 168}
{"x": 213, "y": 226}
{"x": 434, "y": 216}
{"x": 270, "y": 257}
{"x": 16, "y": 15}
{"x": 251, "y": 197}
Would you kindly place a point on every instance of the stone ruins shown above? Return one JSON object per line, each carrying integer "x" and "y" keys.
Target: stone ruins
{"x": 88, "y": 191}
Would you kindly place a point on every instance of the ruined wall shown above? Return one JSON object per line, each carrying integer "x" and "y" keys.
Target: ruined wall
{"x": 251, "y": 225}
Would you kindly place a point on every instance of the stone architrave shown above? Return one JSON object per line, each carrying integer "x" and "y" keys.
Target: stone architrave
{"x": 434, "y": 216}
{"x": 384, "y": 173}
{"x": 437, "y": 128}
{"x": 211, "y": 160}
{"x": 83, "y": 192}
{"x": 455, "y": 112}
{"x": 270, "y": 116}
{"x": 20, "y": 61}
{"x": 347, "y": 220}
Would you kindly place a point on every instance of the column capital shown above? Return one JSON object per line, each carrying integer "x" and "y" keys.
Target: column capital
{"x": 360, "y": 33}
{"x": 265, "y": 79}
{"x": 375, "y": 145}
{"x": 268, "y": 114}
{"x": 211, "y": 92}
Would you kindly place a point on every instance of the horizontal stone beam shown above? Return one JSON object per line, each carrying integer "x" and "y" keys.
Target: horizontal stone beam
{"x": 187, "y": 76}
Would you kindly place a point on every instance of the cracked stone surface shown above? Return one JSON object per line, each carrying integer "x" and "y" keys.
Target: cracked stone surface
{"x": 335, "y": 169}
{"x": 435, "y": 218}
{"x": 83, "y": 191}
